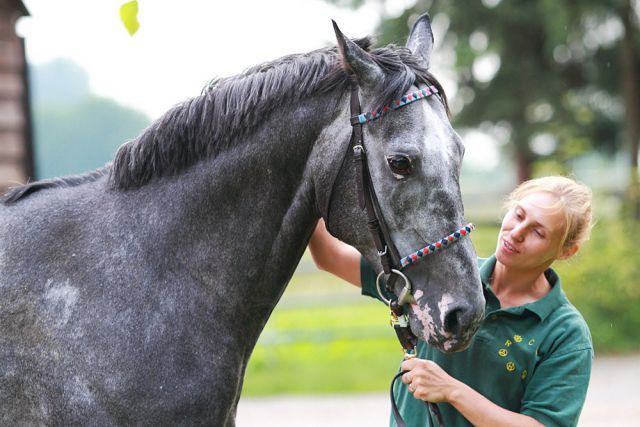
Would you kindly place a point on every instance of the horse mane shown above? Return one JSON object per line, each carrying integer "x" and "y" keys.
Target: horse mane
{"x": 20, "y": 192}
{"x": 230, "y": 108}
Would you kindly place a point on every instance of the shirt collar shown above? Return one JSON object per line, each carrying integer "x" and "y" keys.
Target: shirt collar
{"x": 542, "y": 307}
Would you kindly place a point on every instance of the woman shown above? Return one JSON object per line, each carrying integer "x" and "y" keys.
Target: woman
{"x": 530, "y": 361}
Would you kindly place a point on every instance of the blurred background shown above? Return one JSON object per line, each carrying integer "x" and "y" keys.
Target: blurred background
{"x": 536, "y": 88}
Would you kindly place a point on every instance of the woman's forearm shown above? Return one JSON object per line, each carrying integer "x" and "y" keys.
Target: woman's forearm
{"x": 334, "y": 256}
{"x": 481, "y": 412}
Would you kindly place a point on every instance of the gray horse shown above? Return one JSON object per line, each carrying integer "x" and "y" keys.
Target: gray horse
{"x": 134, "y": 294}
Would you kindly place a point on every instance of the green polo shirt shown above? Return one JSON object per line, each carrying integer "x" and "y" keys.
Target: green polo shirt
{"x": 534, "y": 359}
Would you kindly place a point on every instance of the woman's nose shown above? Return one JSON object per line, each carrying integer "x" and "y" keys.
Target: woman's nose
{"x": 517, "y": 232}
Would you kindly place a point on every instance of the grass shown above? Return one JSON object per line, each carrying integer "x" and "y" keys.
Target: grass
{"x": 318, "y": 350}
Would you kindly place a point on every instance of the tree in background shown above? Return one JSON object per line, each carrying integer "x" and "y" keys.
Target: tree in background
{"x": 74, "y": 130}
{"x": 559, "y": 76}
{"x": 630, "y": 64}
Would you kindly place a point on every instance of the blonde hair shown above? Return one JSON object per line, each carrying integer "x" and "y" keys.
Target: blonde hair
{"x": 574, "y": 198}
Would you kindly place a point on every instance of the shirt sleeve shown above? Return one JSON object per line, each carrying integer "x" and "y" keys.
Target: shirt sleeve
{"x": 558, "y": 387}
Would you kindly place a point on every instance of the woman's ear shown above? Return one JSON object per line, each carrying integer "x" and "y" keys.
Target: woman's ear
{"x": 570, "y": 251}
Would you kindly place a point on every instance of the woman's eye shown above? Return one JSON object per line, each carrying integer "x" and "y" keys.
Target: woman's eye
{"x": 400, "y": 165}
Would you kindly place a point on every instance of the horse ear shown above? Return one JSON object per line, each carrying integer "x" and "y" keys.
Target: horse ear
{"x": 420, "y": 41}
{"x": 358, "y": 61}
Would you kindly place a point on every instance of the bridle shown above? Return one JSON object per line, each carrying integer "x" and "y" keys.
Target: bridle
{"x": 392, "y": 263}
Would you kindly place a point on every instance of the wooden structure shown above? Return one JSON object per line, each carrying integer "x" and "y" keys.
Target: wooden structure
{"x": 16, "y": 145}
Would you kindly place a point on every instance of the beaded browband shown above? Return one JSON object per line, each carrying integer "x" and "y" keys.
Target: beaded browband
{"x": 398, "y": 103}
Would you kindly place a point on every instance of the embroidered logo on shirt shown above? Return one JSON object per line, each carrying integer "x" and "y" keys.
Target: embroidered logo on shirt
{"x": 510, "y": 366}
{"x": 513, "y": 346}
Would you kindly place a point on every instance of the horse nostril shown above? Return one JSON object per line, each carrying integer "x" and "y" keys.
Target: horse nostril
{"x": 453, "y": 320}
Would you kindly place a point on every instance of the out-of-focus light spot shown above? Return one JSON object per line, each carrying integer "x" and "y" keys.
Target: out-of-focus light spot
{"x": 543, "y": 144}
{"x": 491, "y": 3}
{"x": 539, "y": 112}
{"x": 467, "y": 94}
{"x": 561, "y": 54}
{"x": 393, "y": 9}
{"x": 485, "y": 67}
{"x": 481, "y": 150}
{"x": 479, "y": 41}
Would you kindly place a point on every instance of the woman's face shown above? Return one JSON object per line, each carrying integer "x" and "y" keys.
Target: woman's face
{"x": 532, "y": 231}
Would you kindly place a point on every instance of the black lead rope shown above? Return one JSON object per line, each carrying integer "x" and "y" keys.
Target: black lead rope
{"x": 396, "y": 413}
{"x": 394, "y": 407}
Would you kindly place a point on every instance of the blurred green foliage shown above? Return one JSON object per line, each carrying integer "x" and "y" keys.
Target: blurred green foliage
{"x": 74, "y": 130}
{"x": 82, "y": 136}
{"x": 603, "y": 282}
{"x": 325, "y": 338}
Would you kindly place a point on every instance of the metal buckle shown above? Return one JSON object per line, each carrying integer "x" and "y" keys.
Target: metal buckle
{"x": 383, "y": 253}
{"x": 405, "y": 297}
{"x": 358, "y": 147}
{"x": 410, "y": 354}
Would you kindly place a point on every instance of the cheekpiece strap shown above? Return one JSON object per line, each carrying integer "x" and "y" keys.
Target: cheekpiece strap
{"x": 363, "y": 118}
{"x": 389, "y": 256}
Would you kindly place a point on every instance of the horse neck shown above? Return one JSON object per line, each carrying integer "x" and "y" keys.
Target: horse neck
{"x": 249, "y": 212}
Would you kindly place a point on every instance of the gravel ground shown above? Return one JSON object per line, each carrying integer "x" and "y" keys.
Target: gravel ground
{"x": 613, "y": 400}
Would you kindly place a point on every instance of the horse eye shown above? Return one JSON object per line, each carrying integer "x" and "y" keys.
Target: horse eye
{"x": 400, "y": 165}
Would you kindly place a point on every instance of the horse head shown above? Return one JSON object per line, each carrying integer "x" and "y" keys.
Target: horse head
{"x": 413, "y": 157}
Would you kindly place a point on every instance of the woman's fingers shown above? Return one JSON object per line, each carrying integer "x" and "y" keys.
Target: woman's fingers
{"x": 406, "y": 378}
{"x": 424, "y": 379}
{"x": 409, "y": 364}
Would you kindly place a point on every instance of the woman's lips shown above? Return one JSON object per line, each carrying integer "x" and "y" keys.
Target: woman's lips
{"x": 508, "y": 247}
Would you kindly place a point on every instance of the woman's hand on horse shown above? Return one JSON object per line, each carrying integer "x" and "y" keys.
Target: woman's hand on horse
{"x": 427, "y": 380}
